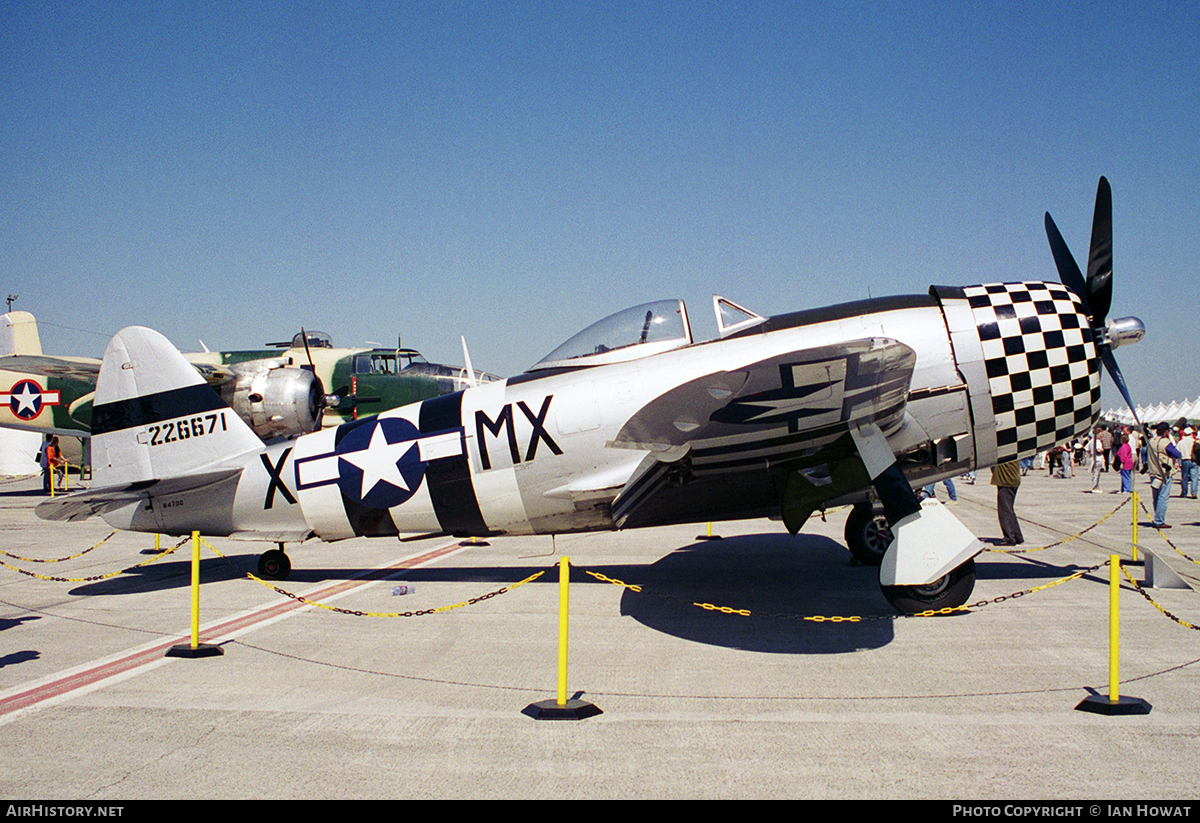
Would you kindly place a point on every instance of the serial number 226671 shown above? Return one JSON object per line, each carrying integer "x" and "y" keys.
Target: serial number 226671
{"x": 172, "y": 431}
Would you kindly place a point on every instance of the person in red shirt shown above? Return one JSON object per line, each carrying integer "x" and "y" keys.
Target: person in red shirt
{"x": 56, "y": 463}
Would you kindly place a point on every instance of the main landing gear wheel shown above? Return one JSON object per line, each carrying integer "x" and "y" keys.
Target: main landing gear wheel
{"x": 946, "y": 592}
{"x": 868, "y": 534}
{"x": 274, "y": 565}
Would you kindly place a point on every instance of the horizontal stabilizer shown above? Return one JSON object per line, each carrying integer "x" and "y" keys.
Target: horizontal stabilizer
{"x": 82, "y": 505}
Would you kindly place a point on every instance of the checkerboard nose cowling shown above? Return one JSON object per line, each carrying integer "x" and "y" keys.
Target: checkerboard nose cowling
{"x": 1042, "y": 365}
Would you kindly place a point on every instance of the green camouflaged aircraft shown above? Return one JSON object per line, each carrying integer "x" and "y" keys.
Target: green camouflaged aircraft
{"x": 279, "y": 391}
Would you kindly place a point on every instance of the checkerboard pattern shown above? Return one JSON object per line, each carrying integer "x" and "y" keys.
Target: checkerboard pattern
{"x": 1042, "y": 365}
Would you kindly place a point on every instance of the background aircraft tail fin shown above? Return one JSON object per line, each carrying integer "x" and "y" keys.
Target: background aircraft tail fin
{"x": 154, "y": 416}
{"x": 19, "y": 334}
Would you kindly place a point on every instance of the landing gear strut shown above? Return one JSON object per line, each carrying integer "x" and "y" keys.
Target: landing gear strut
{"x": 274, "y": 564}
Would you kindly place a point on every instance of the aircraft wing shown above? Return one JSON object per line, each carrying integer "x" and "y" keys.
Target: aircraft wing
{"x": 88, "y": 368}
{"x": 82, "y": 505}
{"x": 710, "y": 438}
{"x": 74, "y": 368}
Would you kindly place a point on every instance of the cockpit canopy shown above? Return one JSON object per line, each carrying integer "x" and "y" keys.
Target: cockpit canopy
{"x": 651, "y": 328}
{"x": 316, "y": 340}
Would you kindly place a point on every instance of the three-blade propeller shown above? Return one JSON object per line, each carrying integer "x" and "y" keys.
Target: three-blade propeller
{"x": 1096, "y": 291}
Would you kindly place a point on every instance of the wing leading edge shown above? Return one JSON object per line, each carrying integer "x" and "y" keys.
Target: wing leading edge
{"x": 730, "y": 441}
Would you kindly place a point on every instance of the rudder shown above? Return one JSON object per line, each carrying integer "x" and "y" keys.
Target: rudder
{"x": 154, "y": 416}
{"x": 19, "y": 334}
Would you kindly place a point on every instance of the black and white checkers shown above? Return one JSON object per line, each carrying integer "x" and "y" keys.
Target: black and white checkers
{"x": 1042, "y": 365}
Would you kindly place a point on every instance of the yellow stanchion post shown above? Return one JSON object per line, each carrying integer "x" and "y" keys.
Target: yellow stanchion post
{"x": 195, "y": 648}
{"x": 157, "y": 546}
{"x": 708, "y": 535}
{"x": 66, "y": 474}
{"x": 1135, "y": 514}
{"x": 1114, "y": 704}
{"x": 1114, "y": 628}
{"x": 564, "y": 600}
{"x": 562, "y": 708}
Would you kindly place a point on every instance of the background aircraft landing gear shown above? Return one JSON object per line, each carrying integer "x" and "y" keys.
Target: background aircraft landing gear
{"x": 867, "y": 534}
{"x": 274, "y": 564}
{"x": 946, "y": 592}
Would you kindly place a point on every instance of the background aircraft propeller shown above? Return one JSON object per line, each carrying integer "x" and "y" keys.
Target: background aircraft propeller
{"x": 1096, "y": 291}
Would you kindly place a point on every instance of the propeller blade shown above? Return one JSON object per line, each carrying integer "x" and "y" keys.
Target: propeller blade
{"x": 1068, "y": 269}
{"x": 1100, "y": 259}
{"x": 307, "y": 352}
{"x": 1114, "y": 371}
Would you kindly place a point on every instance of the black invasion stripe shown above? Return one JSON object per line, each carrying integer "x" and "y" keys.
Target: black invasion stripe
{"x": 154, "y": 408}
{"x": 449, "y": 479}
{"x": 631, "y": 494}
{"x": 757, "y": 462}
{"x": 706, "y": 461}
{"x": 368, "y": 522}
{"x": 627, "y": 504}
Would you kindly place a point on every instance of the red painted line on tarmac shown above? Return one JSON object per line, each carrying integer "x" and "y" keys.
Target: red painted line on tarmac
{"x": 213, "y": 634}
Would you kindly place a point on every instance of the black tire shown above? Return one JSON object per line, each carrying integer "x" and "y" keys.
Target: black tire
{"x": 946, "y": 592}
{"x": 867, "y": 534}
{"x": 274, "y": 565}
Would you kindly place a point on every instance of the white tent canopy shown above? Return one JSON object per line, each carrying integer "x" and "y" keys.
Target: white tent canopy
{"x": 1158, "y": 413}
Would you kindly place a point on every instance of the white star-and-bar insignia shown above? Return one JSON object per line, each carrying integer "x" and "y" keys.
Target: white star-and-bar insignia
{"x": 380, "y": 462}
{"x": 26, "y": 399}
{"x": 377, "y": 471}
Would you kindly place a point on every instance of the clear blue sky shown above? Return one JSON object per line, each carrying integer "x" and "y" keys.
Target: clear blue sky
{"x": 513, "y": 171}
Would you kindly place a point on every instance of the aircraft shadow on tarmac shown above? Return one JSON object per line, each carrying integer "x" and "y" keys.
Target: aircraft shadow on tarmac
{"x": 768, "y": 574}
{"x": 778, "y": 578}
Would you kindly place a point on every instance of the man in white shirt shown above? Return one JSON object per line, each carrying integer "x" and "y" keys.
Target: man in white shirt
{"x": 1189, "y": 474}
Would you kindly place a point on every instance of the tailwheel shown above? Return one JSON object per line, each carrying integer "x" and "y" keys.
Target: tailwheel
{"x": 868, "y": 534}
{"x": 946, "y": 592}
{"x": 274, "y": 565}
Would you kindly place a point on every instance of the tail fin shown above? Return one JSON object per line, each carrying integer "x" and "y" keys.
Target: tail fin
{"x": 19, "y": 334}
{"x": 154, "y": 417}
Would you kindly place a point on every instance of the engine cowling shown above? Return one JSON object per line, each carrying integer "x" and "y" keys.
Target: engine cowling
{"x": 276, "y": 401}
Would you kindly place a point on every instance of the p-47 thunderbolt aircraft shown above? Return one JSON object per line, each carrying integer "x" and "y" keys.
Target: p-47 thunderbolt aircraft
{"x": 631, "y": 423}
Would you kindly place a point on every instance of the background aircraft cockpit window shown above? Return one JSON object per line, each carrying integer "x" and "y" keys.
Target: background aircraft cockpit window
{"x": 375, "y": 363}
{"x": 388, "y": 361}
{"x": 316, "y": 340}
{"x": 627, "y": 335}
{"x": 410, "y": 358}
